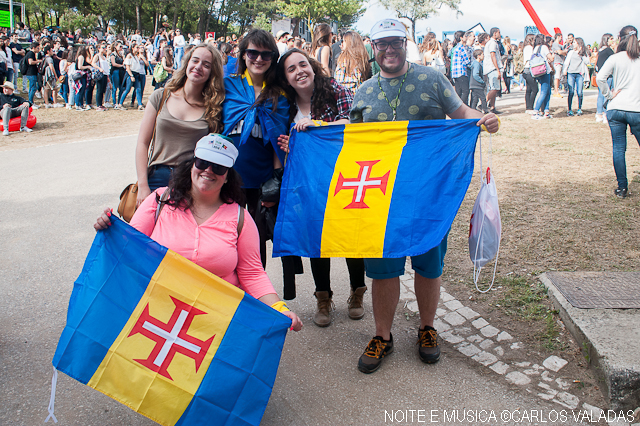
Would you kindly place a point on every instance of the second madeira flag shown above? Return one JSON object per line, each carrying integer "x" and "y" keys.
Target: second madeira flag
{"x": 374, "y": 190}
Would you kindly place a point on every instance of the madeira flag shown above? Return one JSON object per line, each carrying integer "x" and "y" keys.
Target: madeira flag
{"x": 389, "y": 189}
{"x": 167, "y": 338}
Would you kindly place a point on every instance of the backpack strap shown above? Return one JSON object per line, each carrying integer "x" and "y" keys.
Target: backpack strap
{"x": 163, "y": 201}
{"x": 240, "y": 219}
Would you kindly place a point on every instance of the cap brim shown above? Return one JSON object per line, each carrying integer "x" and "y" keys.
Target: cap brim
{"x": 214, "y": 157}
{"x": 388, "y": 33}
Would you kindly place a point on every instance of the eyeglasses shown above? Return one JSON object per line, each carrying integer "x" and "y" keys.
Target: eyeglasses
{"x": 266, "y": 55}
{"x": 215, "y": 168}
{"x": 384, "y": 45}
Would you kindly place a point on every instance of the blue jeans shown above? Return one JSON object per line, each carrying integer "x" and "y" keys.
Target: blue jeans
{"x": 64, "y": 89}
{"x": 33, "y": 85}
{"x": 576, "y": 84}
{"x": 79, "y": 97}
{"x": 142, "y": 80}
{"x": 545, "y": 93}
{"x": 127, "y": 84}
{"x": 178, "y": 57}
{"x": 117, "y": 88}
{"x": 600, "y": 103}
{"x": 618, "y": 121}
{"x": 159, "y": 176}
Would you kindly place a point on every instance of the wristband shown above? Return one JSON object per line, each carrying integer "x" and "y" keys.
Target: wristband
{"x": 280, "y": 306}
{"x": 499, "y": 124}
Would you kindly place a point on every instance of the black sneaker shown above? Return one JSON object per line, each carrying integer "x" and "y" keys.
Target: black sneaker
{"x": 372, "y": 357}
{"x": 428, "y": 345}
{"x": 621, "y": 193}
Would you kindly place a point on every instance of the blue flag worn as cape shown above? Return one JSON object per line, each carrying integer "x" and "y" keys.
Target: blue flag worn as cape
{"x": 239, "y": 104}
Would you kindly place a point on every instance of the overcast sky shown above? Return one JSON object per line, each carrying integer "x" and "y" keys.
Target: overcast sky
{"x": 588, "y": 19}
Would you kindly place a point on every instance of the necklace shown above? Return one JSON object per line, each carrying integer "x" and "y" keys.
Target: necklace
{"x": 395, "y": 101}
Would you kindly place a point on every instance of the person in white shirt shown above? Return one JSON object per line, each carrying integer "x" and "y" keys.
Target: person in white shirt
{"x": 492, "y": 66}
{"x": 178, "y": 46}
{"x": 136, "y": 38}
{"x": 624, "y": 100}
{"x": 281, "y": 41}
{"x": 196, "y": 40}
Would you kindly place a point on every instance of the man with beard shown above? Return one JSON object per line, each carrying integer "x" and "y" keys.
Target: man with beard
{"x": 406, "y": 91}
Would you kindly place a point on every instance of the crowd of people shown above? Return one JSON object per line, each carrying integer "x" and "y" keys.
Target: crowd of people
{"x": 246, "y": 93}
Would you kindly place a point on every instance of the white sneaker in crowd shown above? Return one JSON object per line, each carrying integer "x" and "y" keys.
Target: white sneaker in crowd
{"x": 34, "y": 106}
{"x": 598, "y": 118}
{"x": 5, "y": 132}
{"x": 38, "y": 95}
{"x": 68, "y": 106}
{"x": 108, "y": 105}
{"x": 26, "y": 129}
{"x": 48, "y": 106}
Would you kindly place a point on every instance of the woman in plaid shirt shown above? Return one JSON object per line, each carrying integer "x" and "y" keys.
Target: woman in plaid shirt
{"x": 315, "y": 100}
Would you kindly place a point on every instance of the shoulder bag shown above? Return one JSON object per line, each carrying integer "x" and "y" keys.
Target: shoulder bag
{"x": 129, "y": 196}
{"x": 538, "y": 64}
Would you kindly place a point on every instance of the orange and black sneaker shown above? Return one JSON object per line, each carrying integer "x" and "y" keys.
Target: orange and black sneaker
{"x": 372, "y": 357}
{"x": 428, "y": 345}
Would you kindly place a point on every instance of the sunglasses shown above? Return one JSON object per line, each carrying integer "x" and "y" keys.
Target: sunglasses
{"x": 266, "y": 55}
{"x": 215, "y": 168}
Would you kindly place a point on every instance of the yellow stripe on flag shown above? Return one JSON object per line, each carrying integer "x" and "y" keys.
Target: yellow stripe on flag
{"x": 124, "y": 373}
{"x": 359, "y": 197}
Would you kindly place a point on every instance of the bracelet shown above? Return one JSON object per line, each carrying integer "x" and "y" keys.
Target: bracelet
{"x": 280, "y": 306}
{"x": 499, "y": 124}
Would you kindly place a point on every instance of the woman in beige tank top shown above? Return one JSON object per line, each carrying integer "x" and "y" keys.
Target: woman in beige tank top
{"x": 191, "y": 110}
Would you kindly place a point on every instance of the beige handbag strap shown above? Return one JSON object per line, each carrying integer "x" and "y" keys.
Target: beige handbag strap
{"x": 153, "y": 136}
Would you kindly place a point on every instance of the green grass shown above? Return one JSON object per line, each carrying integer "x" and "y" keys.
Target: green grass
{"x": 524, "y": 299}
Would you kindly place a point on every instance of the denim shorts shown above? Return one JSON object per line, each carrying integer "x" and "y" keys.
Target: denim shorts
{"x": 493, "y": 81}
{"x": 159, "y": 176}
{"x": 428, "y": 265}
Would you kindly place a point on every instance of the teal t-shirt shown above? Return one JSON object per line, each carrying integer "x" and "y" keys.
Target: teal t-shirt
{"x": 426, "y": 94}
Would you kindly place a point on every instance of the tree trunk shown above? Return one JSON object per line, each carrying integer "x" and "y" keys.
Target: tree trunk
{"x": 175, "y": 17}
{"x": 26, "y": 13}
{"x": 44, "y": 20}
{"x": 138, "y": 18}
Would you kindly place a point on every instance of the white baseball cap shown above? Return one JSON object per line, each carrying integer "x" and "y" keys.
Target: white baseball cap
{"x": 388, "y": 28}
{"x": 217, "y": 149}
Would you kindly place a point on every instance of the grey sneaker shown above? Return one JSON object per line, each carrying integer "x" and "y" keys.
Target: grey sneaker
{"x": 428, "y": 345}
{"x": 375, "y": 352}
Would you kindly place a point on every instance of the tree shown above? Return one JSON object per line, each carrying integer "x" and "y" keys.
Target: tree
{"x": 315, "y": 11}
{"x": 419, "y": 9}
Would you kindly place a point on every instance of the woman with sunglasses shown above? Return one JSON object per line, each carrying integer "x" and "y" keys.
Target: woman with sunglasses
{"x": 189, "y": 108}
{"x": 202, "y": 220}
{"x": 255, "y": 114}
{"x": 316, "y": 97}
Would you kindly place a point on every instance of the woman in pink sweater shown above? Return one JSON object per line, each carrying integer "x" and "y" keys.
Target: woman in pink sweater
{"x": 201, "y": 219}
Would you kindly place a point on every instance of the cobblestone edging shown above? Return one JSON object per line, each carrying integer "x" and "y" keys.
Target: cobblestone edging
{"x": 474, "y": 337}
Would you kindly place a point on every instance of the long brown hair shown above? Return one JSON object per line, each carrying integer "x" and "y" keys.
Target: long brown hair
{"x": 321, "y": 36}
{"x": 263, "y": 40}
{"x": 213, "y": 91}
{"x": 629, "y": 42}
{"x": 323, "y": 94}
{"x": 430, "y": 43}
{"x": 355, "y": 56}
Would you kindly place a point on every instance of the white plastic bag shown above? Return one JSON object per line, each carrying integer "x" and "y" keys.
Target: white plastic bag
{"x": 485, "y": 227}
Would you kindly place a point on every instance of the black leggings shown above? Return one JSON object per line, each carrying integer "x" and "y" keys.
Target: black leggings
{"x": 321, "y": 270}
{"x": 532, "y": 90}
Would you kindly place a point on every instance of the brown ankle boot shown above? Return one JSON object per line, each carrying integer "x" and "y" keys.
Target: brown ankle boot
{"x": 322, "y": 317}
{"x": 356, "y": 307}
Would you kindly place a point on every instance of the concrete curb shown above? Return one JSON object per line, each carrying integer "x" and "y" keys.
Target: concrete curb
{"x": 595, "y": 330}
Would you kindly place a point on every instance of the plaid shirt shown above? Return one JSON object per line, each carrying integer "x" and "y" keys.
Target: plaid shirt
{"x": 344, "y": 98}
{"x": 459, "y": 61}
